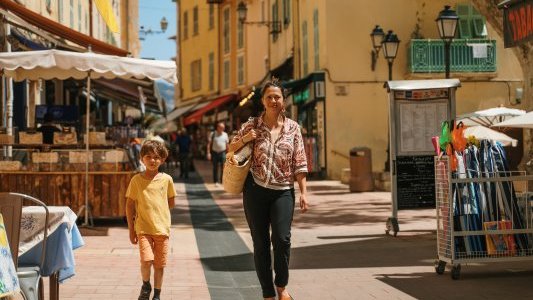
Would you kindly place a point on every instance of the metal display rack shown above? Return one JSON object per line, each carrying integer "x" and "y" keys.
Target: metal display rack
{"x": 459, "y": 241}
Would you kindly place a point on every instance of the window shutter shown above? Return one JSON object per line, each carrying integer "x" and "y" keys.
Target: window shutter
{"x": 479, "y": 28}
{"x": 478, "y": 23}
{"x": 464, "y": 11}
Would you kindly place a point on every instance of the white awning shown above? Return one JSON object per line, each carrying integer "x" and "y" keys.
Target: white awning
{"x": 57, "y": 64}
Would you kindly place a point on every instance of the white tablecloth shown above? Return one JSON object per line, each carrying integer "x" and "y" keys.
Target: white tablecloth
{"x": 32, "y": 224}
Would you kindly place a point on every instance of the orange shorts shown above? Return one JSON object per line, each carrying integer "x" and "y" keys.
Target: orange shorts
{"x": 154, "y": 248}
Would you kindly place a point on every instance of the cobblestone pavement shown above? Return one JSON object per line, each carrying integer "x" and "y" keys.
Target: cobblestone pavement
{"x": 339, "y": 251}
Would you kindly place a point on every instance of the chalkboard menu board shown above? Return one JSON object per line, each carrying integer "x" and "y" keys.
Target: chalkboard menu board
{"x": 415, "y": 181}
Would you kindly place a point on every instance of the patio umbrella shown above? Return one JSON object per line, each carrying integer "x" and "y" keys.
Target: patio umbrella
{"x": 524, "y": 121}
{"x": 57, "y": 64}
{"x": 484, "y": 133}
{"x": 488, "y": 117}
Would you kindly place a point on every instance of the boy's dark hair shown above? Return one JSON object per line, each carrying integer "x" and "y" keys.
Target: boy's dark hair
{"x": 153, "y": 146}
{"x": 274, "y": 82}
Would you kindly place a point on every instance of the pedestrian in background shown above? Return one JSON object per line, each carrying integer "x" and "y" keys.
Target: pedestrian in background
{"x": 268, "y": 194}
{"x": 217, "y": 146}
{"x": 183, "y": 143}
{"x": 149, "y": 196}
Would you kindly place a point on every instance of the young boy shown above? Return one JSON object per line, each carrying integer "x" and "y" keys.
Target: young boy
{"x": 150, "y": 196}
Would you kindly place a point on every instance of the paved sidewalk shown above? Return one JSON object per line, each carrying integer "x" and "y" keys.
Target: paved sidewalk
{"x": 339, "y": 251}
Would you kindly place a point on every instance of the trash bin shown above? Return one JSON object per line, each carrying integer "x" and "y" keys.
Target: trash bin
{"x": 361, "y": 179}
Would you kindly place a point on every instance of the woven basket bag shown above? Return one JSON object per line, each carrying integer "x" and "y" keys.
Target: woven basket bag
{"x": 234, "y": 174}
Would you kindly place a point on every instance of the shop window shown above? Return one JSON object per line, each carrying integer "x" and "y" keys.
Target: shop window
{"x": 196, "y": 75}
{"x": 471, "y": 23}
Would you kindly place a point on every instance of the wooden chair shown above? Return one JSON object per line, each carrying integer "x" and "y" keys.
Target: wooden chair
{"x": 30, "y": 279}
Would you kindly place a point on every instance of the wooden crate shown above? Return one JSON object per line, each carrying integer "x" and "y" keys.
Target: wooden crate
{"x": 6, "y": 139}
{"x": 10, "y": 165}
{"x": 30, "y": 138}
{"x": 65, "y": 138}
{"x": 80, "y": 157}
{"x": 96, "y": 138}
{"x": 45, "y": 157}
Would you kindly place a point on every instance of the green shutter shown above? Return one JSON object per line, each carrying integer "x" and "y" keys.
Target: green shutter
{"x": 464, "y": 28}
{"x": 478, "y": 23}
{"x": 464, "y": 12}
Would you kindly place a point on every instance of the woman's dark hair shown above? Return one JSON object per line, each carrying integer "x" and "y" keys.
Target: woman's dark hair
{"x": 153, "y": 146}
{"x": 274, "y": 82}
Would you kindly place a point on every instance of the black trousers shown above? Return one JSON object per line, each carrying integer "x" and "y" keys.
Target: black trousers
{"x": 267, "y": 209}
{"x": 218, "y": 159}
{"x": 185, "y": 164}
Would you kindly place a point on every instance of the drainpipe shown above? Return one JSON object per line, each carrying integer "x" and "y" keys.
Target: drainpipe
{"x": 9, "y": 104}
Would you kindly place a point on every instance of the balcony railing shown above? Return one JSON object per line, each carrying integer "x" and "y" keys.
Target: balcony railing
{"x": 427, "y": 56}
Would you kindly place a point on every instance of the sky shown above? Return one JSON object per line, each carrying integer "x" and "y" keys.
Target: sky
{"x": 158, "y": 46}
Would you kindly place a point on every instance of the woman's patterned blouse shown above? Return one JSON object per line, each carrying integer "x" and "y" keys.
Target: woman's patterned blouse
{"x": 275, "y": 165}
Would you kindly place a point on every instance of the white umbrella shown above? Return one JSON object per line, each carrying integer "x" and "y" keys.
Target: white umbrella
{"x": 488, "y": 117}
{"x": 524, "y": 121}
{"x": 484, "y": 133}
{"x": 57, "y": 64}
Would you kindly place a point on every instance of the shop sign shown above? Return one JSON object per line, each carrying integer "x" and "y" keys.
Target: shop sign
{"x": 518, "y": 23}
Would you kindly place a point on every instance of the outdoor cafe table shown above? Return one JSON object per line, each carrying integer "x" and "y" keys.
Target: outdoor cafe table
{"x": 8, "y": 276}
{"x": 63, "y": 238}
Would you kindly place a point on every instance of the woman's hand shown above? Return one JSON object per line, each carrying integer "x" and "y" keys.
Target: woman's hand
{"x": 251, "y": 135}
{"x": 304, "y": 205}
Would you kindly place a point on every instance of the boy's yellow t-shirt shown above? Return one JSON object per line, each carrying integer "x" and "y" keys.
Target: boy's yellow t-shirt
{"x": 152, "y": 214}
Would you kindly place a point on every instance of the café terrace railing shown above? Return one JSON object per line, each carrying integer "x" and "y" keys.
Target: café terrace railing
{"x": 427, "y": 56}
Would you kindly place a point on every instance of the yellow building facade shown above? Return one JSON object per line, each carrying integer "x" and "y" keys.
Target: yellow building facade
{"x": 198, "y": 50}
{"x": 335, "y": 39}
{"x": 322, "y": 52}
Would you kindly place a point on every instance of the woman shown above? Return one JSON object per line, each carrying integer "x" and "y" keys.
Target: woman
{"x": 268, "y": 194}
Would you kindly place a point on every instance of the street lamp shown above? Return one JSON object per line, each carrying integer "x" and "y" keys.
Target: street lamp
{"x": 144, "y": 32}
{"x": 390, "y": 49}
{"x": 376, "y": 35}
{"x": 389, "y": 43}
{"x": 242, "y": 10}
{"x": 447, "y": 24}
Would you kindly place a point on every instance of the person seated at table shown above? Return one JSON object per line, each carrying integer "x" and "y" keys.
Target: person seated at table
{"x": 48, "y": 128}
{"x": 150, "y": 195}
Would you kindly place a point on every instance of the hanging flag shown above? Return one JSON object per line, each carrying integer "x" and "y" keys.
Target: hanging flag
{"x": 106, "y": 11}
